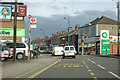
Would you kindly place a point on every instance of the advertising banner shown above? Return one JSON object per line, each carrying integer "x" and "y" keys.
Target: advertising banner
{"x": 22, "y": 11}
{"x": 5, "y": 13}
{"x": 9, "y": 32}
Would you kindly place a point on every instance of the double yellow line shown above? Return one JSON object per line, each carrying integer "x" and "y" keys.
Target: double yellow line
{"x": 37, "y": 73}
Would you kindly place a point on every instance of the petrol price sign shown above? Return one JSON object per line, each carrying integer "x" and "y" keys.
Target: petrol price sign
{"x": 104, "y": 42}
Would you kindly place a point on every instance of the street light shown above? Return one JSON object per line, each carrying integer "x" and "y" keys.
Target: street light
{"x": 68, "y": 18}
{"x": 118, "y": 26}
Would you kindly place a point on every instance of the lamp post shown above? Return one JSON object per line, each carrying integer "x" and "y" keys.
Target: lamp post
{"x": 118, "y": 28}
{"x": 68, "y": 18}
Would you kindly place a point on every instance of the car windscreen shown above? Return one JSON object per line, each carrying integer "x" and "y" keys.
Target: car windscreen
{"x": 66, "y": 48}
{"x": 42, "y": 48}
{"x": 71, "y": 48}
{"x": 5, "y": 48}
{"x": 18, "y": 45}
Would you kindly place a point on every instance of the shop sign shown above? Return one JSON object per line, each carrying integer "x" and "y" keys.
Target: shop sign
{"x": 10, "y": 31}
{"x": 5, "y": 13}
{"x": 22, "y": 11}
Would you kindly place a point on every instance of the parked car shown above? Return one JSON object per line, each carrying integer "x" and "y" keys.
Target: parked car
{"x": 4, "y": 52}
{"x": 69, "y": 51}
{"x": 57, "y": 51}
{"x": 43, "y": 50}
{"x": 20, "y": 47}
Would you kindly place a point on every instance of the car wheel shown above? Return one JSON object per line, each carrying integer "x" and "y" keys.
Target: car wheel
{"x": 63, "y": 57}
{"x": 19, "y": 56}
{"x": 74, "y": 57}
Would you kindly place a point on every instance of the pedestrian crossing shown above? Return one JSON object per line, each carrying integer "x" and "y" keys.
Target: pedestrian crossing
{"x": 68, "y": 65}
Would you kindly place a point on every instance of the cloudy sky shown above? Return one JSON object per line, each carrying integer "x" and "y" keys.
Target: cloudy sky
{"x": 50, "y": 13}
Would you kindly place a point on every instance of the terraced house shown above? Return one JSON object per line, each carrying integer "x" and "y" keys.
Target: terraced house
{"x": 91, "y": 33}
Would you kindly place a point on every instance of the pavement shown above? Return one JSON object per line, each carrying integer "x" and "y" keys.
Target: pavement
{"x": 20, "y": 69}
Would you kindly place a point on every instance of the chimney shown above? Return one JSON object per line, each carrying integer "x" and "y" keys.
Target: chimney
{"x": 53, "y": 35}
{"x": 70, "y": 29}
{"x": 58, "y": 32}
{"x": 63, "y": 32}
{"x": 77, "y": 27}
{"x": 46, "y": 37}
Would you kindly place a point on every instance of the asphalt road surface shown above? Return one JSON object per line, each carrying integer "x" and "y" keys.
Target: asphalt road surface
{"x": 83, "y": 67}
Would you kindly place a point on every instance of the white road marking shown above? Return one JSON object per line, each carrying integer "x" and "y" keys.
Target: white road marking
{"x": 114, "y": 74}
{"x": 88, "y": 59}
{"x": 101, "y": 66}
{"x": 93, "y": 62}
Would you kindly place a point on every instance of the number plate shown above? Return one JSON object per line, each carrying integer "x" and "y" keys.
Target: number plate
{"x": 67, "y": 53}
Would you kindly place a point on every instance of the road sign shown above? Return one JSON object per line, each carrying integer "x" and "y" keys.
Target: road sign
{"x": 33, "y": 20}
{"x": 29, "y": 16}
{"x": 32, "y": 25}
{"x": 104, "y": 42}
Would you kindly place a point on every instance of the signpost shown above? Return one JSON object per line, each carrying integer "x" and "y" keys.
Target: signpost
{"x": 104, "y": 42}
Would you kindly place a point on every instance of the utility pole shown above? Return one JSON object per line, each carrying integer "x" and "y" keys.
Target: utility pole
{"x": 83, "y": 44}
{"x": 118, "y": 28}
{"x": 15, "y": 25}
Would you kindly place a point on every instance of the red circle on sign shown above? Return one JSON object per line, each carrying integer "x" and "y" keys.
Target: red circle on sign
{"x": 29, "y": 16}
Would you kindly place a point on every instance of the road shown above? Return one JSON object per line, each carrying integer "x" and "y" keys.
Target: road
{"x": 85, "y": 66}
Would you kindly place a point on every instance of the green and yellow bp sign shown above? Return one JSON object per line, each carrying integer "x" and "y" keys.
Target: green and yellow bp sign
{"x": 104, "y": 42}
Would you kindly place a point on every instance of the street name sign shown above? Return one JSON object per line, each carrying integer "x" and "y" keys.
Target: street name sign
{"x": 104, "y": 42}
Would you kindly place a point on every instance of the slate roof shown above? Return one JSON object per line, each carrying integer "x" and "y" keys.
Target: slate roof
{"x": 103, "y": 20}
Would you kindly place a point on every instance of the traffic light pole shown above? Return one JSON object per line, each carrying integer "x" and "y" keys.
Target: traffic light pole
{"x": 15, "y": 25}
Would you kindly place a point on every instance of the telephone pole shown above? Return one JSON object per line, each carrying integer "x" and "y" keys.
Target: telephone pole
{"x": 15, "y": 25}
{"x": 118, "y": 28}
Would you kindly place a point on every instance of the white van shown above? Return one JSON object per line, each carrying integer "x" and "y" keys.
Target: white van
{"x": 69, "y": 51}
{"x": 57, "y": 51}
{"x": 20, "y": 47}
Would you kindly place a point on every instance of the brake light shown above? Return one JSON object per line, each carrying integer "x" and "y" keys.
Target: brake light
{"x": 27, "y": 51}
{"x": 5, "y": 54}
{"x": 12, "y": 51}
{"x": 74, "y": 52}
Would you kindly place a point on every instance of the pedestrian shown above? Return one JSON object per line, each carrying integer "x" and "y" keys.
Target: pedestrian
{"x": 88, "y": 52}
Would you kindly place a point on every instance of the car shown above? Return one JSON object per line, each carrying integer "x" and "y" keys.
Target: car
{"x": 57, "y": 51}
{"x": 20, "y": 48}
{"x": 4, "y": 52}
{"x": 69, "y": 51}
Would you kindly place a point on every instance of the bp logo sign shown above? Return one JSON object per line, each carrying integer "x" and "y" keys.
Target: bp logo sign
{"x": 104, "y": 35}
